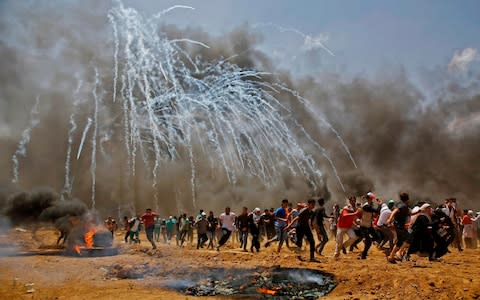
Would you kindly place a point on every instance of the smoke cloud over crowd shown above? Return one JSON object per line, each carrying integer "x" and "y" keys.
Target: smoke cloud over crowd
{"x": 405, "y": 134}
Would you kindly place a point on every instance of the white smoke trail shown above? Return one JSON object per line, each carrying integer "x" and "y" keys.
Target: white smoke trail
{"x": 21, "y": 147}
{"x": 115, "y": 56}
{"x": 171, "y": 101}
{"x": 67, "y": 188}
{"x": 93, "y": 163}
{"x": 193, "y": 181}
{"x": 310, "y": 108}
{"x": 165, "y": 11}
{"x": 84, "y": 136}
{"x": 309, "y": 40}
{"x": 191, "y": 42}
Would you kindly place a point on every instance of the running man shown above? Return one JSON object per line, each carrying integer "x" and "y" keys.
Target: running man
{"x": 319, "y": 216}
{"x": 344, "y": 226}
{"x": 280, "y": 225}
{"x": 148, "y": 219}
{"x": 303, "y": 228}
{"x": 227, "y": 224}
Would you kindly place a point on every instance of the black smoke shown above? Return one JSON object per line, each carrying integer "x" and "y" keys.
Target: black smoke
{"x": 357, "y": 183}
{"x": 41, "y": 205}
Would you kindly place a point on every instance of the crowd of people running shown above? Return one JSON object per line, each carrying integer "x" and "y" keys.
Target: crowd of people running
{"x": 398, "y": 228}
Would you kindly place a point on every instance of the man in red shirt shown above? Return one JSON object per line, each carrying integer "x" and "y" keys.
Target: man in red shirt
{"x": 148, "y": 219}
{"x": 344, "y": 226}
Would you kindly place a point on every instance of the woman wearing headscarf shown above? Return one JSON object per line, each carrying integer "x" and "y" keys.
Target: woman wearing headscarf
{"x": 254, "y": 226}
{"x": 470, "y": 229}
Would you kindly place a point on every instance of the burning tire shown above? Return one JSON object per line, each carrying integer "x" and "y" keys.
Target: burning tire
{"x": 102, "y": 239}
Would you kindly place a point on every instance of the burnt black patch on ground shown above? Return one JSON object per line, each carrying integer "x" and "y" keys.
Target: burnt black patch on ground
{"x": 273, "y": 283}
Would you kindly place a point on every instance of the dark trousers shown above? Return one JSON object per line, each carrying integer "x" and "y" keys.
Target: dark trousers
{"x": 183, "y": 235}
{"x": 225, "y": 236}
{"x": 255, "y": 241}
{"x": 243, "y": 239}
{"x": 169, "y": 234}
{"x": 322, "y": 233}
{"x": 306, "y": 232}
{"x": 365, "y": 233}
{"x": 149, "y": 233}
{"x": 127, "y": 234}
{"x": 270, "y": 231}
{"x": 202, "y": 238}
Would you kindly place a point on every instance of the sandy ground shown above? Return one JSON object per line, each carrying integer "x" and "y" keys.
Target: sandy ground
{"x": 456, "y": 276}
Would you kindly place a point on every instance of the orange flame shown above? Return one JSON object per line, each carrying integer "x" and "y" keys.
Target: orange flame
{"x": 88, "y": 237}
{"x": 76, "y": 248}
{"x": 266, "y": 291}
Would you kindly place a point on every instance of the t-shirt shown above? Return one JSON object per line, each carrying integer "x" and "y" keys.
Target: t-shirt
{"x": 149, "y": 219}
{"x": 228, "y": 221}
{"x": 202, "y": 226}
{"x": 401, "y": 218}
{"x": 304, "y": 218}
{"x": 242, "y": 222}
{"x": 158, "y": 223}
{"x": 267, "y": 220}
{"x": 466, "y": 220}
{"x": 319, "y": 215}
{"x": 184, "y": 224}
{"x": 135, "y": 224}
{"x": 345, "y": 220}
{"x": 280, "y": 213}
{"x": 170, "y": 224}
{"x": 212, "y": 223}
{"x": 293, "y": 215}
{"x": 384, "y": 215}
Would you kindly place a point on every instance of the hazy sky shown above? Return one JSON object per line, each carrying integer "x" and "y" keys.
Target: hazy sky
{"x": 363, "y": 35}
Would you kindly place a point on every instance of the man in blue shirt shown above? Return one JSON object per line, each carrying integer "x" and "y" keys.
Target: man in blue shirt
{"x": 280, "y": 225}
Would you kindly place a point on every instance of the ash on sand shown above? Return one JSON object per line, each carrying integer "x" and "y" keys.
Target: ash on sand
{"x": 275, "y": 282}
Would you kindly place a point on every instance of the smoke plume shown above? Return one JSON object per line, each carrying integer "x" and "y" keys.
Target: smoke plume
{"x": 402, "y": 137}
{"x": 41, "y": 205}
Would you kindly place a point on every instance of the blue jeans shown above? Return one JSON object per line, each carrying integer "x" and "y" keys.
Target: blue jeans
{"x": 149, "y": 232}
{"x": 281, "y": 233}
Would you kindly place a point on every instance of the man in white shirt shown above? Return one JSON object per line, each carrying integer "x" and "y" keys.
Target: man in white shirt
{"x": 134, "y": 230}
{"x": 387, "y": 232}
{"x": 227, "y": 223}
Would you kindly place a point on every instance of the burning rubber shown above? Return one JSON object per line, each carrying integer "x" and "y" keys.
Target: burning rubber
{"x": 94, "y": 242}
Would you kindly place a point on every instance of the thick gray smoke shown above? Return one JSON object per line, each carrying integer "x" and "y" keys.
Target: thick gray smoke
{"x": 403, "y": 143}
{"x": 41, "y": 205}
{"x": 357, "y": 183}
{"x": 399, "y": 140}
